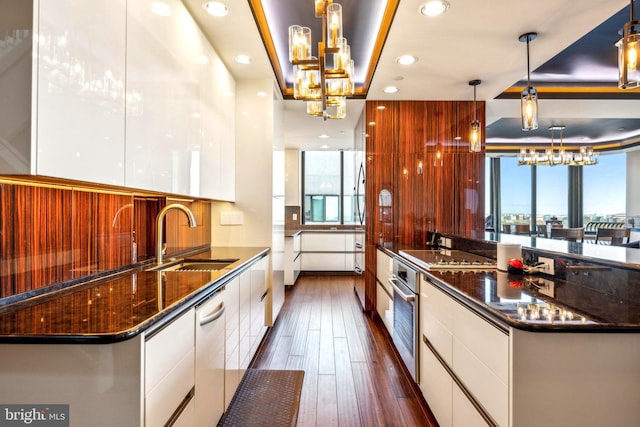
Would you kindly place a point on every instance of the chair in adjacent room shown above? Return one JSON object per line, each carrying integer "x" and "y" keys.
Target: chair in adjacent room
{"x": 614, "y": 236}
{"x": 571, "y": 234}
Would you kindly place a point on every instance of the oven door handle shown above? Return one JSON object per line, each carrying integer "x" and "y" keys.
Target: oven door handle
{"x": 407, "y": 298}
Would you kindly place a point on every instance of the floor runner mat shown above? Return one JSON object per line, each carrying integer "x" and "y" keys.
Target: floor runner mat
{"x": 265, "y": 398}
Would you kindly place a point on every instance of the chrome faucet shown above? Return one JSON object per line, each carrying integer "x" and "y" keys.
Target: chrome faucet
{"x": 160, "y": 221}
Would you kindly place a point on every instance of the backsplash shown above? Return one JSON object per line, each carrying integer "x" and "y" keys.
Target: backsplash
{"x": 53, "y": 235}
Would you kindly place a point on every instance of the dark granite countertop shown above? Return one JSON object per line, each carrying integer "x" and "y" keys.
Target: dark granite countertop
{"x": 538, "y": 303}
{"x": 121, "y": 306}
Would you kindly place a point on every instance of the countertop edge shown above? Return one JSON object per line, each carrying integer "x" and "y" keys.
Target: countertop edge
{"x": 504, "y": 323}
{"x": 148, "y": 326}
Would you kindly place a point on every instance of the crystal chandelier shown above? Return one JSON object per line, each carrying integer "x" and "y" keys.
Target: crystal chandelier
{"x": 325, "y": 81}
{"x": 552, "y": 157}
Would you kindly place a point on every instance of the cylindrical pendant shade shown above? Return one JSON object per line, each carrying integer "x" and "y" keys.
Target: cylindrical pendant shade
{"x": 529, "y": 108}
{"x": 299, "y": 43}
{"x": 475, "y": 141}
{"x": 334, "y": 25}
{"x": 628, "y": 55}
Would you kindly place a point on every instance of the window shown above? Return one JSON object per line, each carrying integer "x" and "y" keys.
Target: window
{"x": 604, "y": 191}
{"x": 515, "y": 192}
{"x": 552, "y": 194}
{"x": 328, "y": 185}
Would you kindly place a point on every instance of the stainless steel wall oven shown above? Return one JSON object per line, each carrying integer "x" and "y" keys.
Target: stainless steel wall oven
{"x": 405, "y": 315}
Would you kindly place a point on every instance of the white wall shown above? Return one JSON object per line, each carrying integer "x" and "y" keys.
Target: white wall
{"x": 292, "y": 177}
{"x": 633, "y": 177}
{"x": 255, "y": 141}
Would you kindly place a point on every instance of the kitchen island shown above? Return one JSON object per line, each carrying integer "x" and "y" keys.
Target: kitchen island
{"x": 503, "y": 349}
{"x": 123, "y": 350}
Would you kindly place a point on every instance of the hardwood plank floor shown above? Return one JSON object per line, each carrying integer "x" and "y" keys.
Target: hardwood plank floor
{"x": 352, "y": 374}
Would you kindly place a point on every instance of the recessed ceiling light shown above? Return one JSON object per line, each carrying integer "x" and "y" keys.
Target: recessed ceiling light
{"x": 381, "y": 107}
{"x": 202, "y": 59}
{"x": 324, "y": 136}
{"x": 161, "y": 8}
{"x": 324, "y": 147}
{"x": 216, "y": 8}
{"x": 243, "y": 59}
{"x": 406, "y": 59}
{"x": 390, "y": 89}
{"x": 434, "y": 7}
{"x": 262, "y": 93}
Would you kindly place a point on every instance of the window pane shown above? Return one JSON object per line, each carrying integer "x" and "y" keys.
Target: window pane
{"x": 515, "y": 192}
{"x": 332, "y": 208}
{"x": 604, "y": 189}
{"x": 322, "y": 187}
{"x": 552, "y": 193}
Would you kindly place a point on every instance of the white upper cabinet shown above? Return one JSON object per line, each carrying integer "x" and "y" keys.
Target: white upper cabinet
{"x": 80, "y": 86}
{"x": 180, "y": 106}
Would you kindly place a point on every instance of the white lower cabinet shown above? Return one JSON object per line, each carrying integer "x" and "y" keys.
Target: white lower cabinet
{"x": 169, "y": 370}
{"x": 384, "y": 291}
{"x": 328, "y": 251}
{"x": 210, "y": 360}
{"x": 232, "y": 342}
{"x": 436, "y": 386}
{"x": 469, "y": 348}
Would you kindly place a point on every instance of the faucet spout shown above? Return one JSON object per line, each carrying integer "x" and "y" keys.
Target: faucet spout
{"x": 160, "y": 222}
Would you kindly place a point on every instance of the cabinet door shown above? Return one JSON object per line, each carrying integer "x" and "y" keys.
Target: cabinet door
{"x": 169, "y": 369}
{"x": 384, "y": 306}
{"x": 163, "y": 97}
{"x": 464, "y": 413}
{"x": 245, "y": 321}
{"x": 210, "y": 360}
{"x": 323, "y": 242}
{"x": 258, "y": 302}
{"x": 436, "y": 386}
{"x": 232, "y": 349}
{"x": 81, "y": 90}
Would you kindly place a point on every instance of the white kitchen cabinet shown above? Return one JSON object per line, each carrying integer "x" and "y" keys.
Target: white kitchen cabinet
{"x": 169, "y": 369}
{"x": 180, "y": 129}
{"x": 384, "y": 291}
{"x": 259, "y": 293}
{"x": 210, "y": 359}
{"x": 470, "y": 348}
{"x": 291, "y": 259}
{"x": 232, "y": 343}
{"x": 80, "y": 90}
{"x": 244, "y": 324}
{"x": 328, "y": 251}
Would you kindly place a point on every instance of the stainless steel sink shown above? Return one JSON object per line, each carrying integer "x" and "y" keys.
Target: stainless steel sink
{"x": 198, "y": 265}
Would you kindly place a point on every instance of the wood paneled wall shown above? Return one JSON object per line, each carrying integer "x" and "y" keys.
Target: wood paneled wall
{"x": 52, "y": 234}
{"x": 418, "y": 155}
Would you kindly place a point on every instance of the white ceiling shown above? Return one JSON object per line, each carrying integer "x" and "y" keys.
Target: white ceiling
{"x": 473, "y": 40}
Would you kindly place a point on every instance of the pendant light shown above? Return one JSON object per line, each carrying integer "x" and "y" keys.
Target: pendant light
{"x": 529, "y": 96}
{"x": 628, "y": 52}
{"x": 475, "y": 140}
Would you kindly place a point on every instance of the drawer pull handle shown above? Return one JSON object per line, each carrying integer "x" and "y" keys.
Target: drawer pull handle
{"x": 264, "y": 295}
{"x": 213, "y": 316}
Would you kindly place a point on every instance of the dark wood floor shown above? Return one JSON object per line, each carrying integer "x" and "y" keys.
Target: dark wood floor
{"x": 352, "y": 376}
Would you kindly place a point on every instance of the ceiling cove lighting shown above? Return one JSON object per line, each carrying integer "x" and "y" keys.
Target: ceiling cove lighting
{"x": 325, "y": 81}
{"x": 529, "y": 96}
{"x": 475, "y": 139}
{"x": 434, "y": 7}
{"x": 628, "y": 52}
{"x": 560, "y": 157}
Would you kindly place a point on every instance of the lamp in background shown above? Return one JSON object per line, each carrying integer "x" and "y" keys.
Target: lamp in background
{"x": 475, "y": 139}
{"x": 529, "y": 96}
{"x": 561, "y": 157}
{"x": 628, "y": 52}
{"x": 324, "y": 81}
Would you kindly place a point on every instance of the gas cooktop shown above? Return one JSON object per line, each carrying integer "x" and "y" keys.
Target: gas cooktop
{"x": 449, "y": 259}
